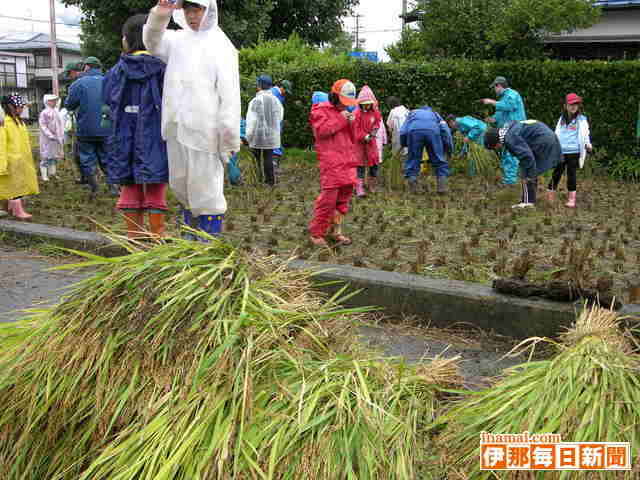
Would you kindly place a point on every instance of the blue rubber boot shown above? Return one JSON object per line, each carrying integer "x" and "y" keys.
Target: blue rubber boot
{"x": 211, "y": 224}
{"x": 187, "y": 220}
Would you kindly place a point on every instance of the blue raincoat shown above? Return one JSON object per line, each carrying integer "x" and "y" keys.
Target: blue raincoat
{"x": 509, "y": 108}
{"x": 425, "y": 128}
{"x": 235, "y": 175}
{"x": 85, "y": 97}
{"x": 133, "y": 93}
{"x": 278, "y": 152}
{"x": 472, "y": 128}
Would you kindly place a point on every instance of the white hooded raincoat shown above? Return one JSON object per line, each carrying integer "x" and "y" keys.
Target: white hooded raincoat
{"x": 201, "y": 105}
{"x": 264, "y": 116}
{"x": 51, "y": 132}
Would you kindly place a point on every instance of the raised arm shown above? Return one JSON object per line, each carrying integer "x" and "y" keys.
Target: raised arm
{"x": 155, "y": 35}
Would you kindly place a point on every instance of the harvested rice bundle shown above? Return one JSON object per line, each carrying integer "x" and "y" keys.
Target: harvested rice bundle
{"x": 197, "y": 361}
{"x": 589, "y": 392}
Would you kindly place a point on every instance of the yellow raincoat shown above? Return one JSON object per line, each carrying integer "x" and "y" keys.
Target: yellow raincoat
{"x": 17, "y": 172}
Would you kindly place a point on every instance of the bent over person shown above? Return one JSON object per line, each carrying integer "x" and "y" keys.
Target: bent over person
{"x": 536, "y": 148}
{"x": 200, "y": 106}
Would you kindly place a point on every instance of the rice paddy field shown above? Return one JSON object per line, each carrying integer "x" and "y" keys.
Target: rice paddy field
{"x": 472, "y": 234}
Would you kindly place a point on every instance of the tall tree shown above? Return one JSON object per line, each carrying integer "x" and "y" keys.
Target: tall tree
{"x": 486, "y": 29}
{"x": 245, "y": 22}
{"x": 316, "y": 21}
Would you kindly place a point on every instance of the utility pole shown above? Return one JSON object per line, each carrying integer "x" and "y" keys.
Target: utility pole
{"x": 54, "y": 48}
{"x": 404, "y": 14}
{"x": 357, "y": 32}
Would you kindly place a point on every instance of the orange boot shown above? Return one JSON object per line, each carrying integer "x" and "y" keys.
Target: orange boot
{"x": 135, "y": 224}
{"x": 156, "y": 224}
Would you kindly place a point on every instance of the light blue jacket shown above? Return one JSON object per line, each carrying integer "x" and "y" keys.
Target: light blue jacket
{"x": 509, "y": 108}
{"x": 472, "y": 128}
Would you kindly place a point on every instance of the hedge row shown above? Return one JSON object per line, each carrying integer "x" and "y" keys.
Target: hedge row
{"x": 610, "y": 90}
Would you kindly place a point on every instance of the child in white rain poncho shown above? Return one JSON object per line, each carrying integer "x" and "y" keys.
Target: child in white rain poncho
{"x": 201, "y": 105}
{"x": 264, "y": 116}
{"x": 51, "y": 137}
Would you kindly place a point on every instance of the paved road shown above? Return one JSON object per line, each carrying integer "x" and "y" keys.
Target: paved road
{"x": 25, "y": 282}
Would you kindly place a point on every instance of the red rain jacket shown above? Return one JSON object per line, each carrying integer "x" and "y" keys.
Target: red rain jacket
{"x": 334, "y": 146}
{"x": 364, "y": 124}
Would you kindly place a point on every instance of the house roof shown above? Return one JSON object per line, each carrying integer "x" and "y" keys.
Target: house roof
{"x": 613, "y": 4}
{"x": 24, "y": 41}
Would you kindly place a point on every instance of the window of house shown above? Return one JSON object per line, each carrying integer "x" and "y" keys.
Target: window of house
{"x": 8, "y": 76}
{"x": 44, "y": 61}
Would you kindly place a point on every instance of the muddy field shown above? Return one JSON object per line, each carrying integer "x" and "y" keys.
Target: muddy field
{"x": 472, "y": 234}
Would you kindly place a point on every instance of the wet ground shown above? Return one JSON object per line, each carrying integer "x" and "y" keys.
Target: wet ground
{"x": 26, "y": 280}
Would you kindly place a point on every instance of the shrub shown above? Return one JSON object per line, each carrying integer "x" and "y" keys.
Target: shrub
{"x": 455, "y": 86}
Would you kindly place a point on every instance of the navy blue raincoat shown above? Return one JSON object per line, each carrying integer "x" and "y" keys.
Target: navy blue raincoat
{"x": 133, "y": 93}
{"x": 534, "y": 144}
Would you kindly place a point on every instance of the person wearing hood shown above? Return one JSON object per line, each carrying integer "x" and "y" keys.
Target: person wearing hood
{"x": 425, "y": 128}
{"x": 51, "y": 137}
{"x": 366, "y": 124}
{"x": 395, "y": 120}
{"x": 332, "y": 125}
{"x": 85, "y": 97}
{"x": 137, "y": 159}
{"x": 509, "y": 108}
{"x": 17, "y": 174}
{"x": 264, "y": 117}
{"x": 200, "y": 106}
{"x": 536, "y": 147}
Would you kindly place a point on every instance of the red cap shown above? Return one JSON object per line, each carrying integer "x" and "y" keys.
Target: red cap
{"x": 573, "y": 98}
{"x": 346, "y": 91}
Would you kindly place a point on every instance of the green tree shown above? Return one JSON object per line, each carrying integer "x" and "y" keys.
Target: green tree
{"x": 316, "y": 21}
{"x": 488, "y": 29}
{"x": 245, "y": 22}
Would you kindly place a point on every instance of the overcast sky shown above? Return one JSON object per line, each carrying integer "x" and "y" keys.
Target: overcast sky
{"x": 38, "y": 10}
{"x": 379, "y": 25}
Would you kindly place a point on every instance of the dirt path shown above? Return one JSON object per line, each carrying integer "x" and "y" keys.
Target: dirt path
{"x": 26, "y": 282}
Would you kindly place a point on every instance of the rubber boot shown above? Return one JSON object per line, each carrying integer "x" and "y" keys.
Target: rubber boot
{"x": 551, "y": 196}
{"x": 93, "y": 185}
{"x": 16, "y": 209}
{"x": 135, "y": 224}
{"x": 360, "y": 188}
{"x": 187, "y": 220}
{"x": 372, "y": 183}
{"x": 571, "y": 203}
{"x": 211, "y": 224}
{"x": 412, "y": 185}
{"x": 44, "y": 173}
{"x": 335, "y": 232}
{"x": 443, "y": 189}
{"x": 53, "y": 170}
{"x": 157, "y": 224}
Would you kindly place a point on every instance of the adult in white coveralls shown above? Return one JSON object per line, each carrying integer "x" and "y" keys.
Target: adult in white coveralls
{"x": 201, "y": 105}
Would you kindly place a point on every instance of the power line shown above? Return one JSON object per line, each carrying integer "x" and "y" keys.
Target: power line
{"x": 39, "y": 21}
{"x": 382, "y": 31}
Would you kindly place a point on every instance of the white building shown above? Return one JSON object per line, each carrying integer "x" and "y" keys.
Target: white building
{"x": 25, "y": 65}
